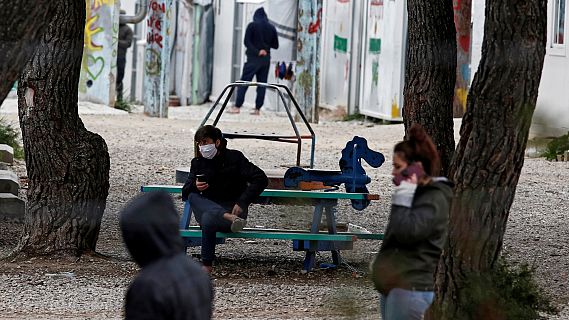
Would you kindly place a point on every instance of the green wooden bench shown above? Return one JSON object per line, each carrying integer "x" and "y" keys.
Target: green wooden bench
{"x": 303, "y": 240}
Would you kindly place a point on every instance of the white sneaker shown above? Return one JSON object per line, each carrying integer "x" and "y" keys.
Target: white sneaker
{"x": 352, "y": 228}
{"x": 238, "y": 224}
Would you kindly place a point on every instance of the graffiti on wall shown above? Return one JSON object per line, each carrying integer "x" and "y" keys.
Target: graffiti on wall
{"x": 157, "y": 58}
{"x": 308, "y": 52}
{"x": 98, "y": 67}
{"x": 462, "y": 17}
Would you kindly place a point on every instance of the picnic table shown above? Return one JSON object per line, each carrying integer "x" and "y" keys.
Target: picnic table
{"x": 311, "y": 241}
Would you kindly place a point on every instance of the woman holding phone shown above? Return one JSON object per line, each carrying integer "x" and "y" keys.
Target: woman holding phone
{"x": 221, "y": 186}
{"x": 403, "y": 270}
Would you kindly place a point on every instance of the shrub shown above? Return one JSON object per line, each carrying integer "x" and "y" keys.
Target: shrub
{"x": 556, "y": 147}
{"x": 506, "y": 292}
{"x": 10, "y": 136}
{"x": 123, "y": 105}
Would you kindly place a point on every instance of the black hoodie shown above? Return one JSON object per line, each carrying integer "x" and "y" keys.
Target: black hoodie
{"x": 260, "y": 34}
{"x": 170, "y": 285}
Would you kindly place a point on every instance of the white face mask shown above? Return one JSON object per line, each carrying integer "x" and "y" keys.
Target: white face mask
{"x": 208, "y": 151}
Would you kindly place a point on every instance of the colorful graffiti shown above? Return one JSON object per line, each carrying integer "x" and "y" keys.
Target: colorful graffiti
{"x": 156, "y": 63}
{"x": 462, "y": 17}
{"x": 100, "y": 51}
{"x": 308, "y": 51}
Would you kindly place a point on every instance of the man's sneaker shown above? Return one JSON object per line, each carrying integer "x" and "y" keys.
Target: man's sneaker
{"x": 238, "y": 224}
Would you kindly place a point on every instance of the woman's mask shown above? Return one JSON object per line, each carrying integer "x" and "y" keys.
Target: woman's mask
{"x": 208, "y": 151}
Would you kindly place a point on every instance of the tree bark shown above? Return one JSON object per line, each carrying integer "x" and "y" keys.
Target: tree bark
{"x": 21, "y": 24}
{"x": 68, "y": 166}
{"x": 431, "y": 72}
{"x": 490, "y": 154}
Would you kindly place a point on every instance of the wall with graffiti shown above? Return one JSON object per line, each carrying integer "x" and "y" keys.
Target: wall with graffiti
{"x": 383, "y": 51}
{"x": 336, "y": 53}
{"x": 157, "y": 58}
{"x": 98, "y": 70}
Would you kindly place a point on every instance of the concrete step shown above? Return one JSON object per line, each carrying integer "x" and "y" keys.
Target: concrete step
{"x": 6, "y": 154}
{"x": 9, "y": 182}
{"x": 11, "y": 207}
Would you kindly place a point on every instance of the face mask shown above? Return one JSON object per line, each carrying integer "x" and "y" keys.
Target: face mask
{"x": 208, "y": 151}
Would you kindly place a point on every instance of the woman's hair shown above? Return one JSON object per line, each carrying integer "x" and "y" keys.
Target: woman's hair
{"x": 209, "y": 131}
{"x": 420, "y": 147}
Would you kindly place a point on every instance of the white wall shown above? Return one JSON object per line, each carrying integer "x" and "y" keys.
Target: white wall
{"x": 551, "y": 116}
{"x": 335, "y": 64}
{"x": 383, "y": 75}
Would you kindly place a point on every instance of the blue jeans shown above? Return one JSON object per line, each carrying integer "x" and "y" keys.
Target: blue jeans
{"x": 403, "y": 304}
{"x": 209, "y": 215}
{"x": 259, "y": 69}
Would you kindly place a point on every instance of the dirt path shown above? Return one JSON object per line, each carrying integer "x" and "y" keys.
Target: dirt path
{"x": 261, "y": 280}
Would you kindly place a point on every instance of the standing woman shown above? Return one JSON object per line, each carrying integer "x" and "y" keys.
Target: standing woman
{"x": 403, "y": 270}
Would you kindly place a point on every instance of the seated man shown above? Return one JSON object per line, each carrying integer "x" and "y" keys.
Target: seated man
{"x": 221, "y": 186}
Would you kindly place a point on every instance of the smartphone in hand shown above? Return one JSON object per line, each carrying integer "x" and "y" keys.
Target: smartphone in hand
{"x": 201, "y": 178}
{"x": 413, "y": 169}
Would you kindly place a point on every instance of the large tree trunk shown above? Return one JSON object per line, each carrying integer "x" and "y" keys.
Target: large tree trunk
{"x": 68, "y": 166}
{"x": 490, "y": 155}
{"x": 430, "y": 72}
{"x": 21, "y": 24}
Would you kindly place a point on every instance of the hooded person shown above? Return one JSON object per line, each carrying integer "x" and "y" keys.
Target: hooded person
{"x": 170, "y": 285}
{"x": 125, "y": 41}
{"x": 260, "y": 37}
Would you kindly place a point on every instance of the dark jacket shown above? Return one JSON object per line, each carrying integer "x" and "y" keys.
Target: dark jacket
{"x": 260, "y": 34}
{"x": 170, "y": 285}
{"x": 125, "y": 40}
{"x": 231, "y": 177}
{"x": 414, "y": 239}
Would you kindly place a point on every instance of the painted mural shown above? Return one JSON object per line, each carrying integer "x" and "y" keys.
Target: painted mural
{"x": 157, "y": 58}
{"x": 308, "y": 52}
{"x": 462, "y": 21}
{"x": 98, "y": 70}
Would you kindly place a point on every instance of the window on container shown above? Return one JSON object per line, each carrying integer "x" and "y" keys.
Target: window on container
{"x": 559, "y": 22}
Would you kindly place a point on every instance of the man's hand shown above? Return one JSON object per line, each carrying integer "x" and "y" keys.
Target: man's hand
{"x": 262, "y": 53}
{"x": 236, "y": 210}
{"x": 201, "y": 186}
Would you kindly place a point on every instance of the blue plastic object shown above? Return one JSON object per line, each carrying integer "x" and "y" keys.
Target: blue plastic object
{"x": 351, "y": 174}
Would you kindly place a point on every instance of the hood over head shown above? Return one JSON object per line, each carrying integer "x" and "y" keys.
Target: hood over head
{"x": 150, "y": 229}
{"x": 260, "y": 15}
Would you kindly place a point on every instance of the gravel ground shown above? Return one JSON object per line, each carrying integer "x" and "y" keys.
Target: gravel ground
{"x": 261, "y": 279}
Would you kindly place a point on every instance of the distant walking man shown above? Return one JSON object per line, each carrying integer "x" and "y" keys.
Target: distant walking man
{"x": 170, "y": 285}
{"x": 125, "y": 41}
{"x": 260, "y": 37}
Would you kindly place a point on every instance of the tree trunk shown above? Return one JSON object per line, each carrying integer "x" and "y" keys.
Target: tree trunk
{"x": 430, "y": 72}
{"x": 68, "y": 166}
{"x": 21, "y": 24}
{"x": 490, "y": 154}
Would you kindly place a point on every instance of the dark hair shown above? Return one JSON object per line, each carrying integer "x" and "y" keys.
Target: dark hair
{"x": 420, "y": 147}
{"x": 209, "y": 131}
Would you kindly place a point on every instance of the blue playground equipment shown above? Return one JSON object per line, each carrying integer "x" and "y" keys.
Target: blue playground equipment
{"x": 351, "y": 173}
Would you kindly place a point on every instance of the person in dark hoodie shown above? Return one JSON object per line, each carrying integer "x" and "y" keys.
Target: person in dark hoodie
{"x": 125, "y": 41}
{"x": 170, "y": 285}
{"x": 221, "y": 185}
{"x": 403, "y": 270}
{"x": 260, "y": 37}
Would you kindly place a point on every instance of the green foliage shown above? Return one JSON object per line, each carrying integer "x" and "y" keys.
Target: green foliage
{"x": 556, "y": 147}
{"x": 9, "y": 135}
{"x": 506, "y": 292}
{"x": 123, "y": 105}
{"x": 355, "y": 116}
